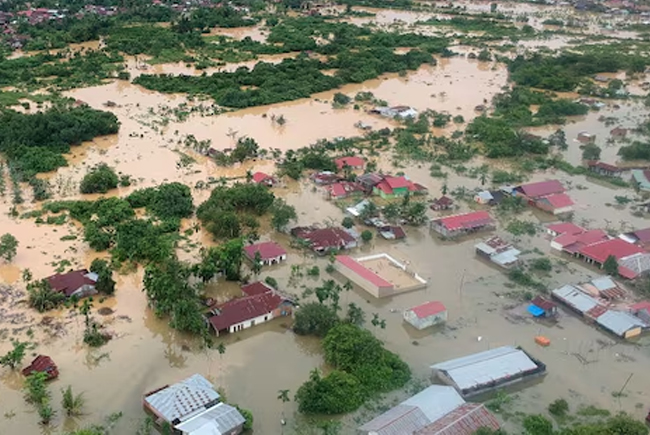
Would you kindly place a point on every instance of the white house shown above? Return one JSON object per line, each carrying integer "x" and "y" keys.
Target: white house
{"x": 425, "y": 315}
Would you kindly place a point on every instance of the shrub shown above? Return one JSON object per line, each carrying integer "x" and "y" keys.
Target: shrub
{"x": 336, "y": 393}
{"x": 559, "y": 407}
{"x": 314, "y": 318}
{"x": 99, "y": 179}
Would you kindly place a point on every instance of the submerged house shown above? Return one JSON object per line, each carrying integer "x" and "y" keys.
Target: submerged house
{"x": 456, "y": 225}
{"x": 402, "y": 112}
{"x": 260, "y": 303}
{"x": 325, "y": 240}
{"x": 344, "y": 189}
{"x": 542, "y": 307}
{"x": 546, "y": 195}
{"x": 352, "y": 162}
{"x": 42, "y": 364}
{"x": 264, "y": 179}
{"x": 192, "y": 407}
{"x": 604, "y": 169}
{"x": 392, "y": 187}
{"x": 442, "y": 203}
{"x": 78, "y": 283}
{"x": 269, "y": 253}
{"x": 426, "y": 315}
{"x": 641, "y": 179}
{"x": 425, "y": 413}
{"x": 499, "y": 252}
{"x": 485, "y": 371}
{"x": 558, "y": 229}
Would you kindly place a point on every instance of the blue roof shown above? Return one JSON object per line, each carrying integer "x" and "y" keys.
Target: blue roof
{"x": 535, "y": 310}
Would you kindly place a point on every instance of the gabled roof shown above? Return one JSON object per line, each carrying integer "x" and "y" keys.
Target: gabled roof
{"x": 260, "y": 177}
{"x": 182, "y": 399}
{"x": 542, "y": 303}
{"x": 69, "y": 282}
{"x": 558, "y": 200}
{"x": 574, "y": 242}
{"x": 443, "y": 200}
{"x": 256, "y": 288}
{"x": 327, "y": 238}
{"x": 428, "y": 309}
{"x": 219, "y": 419}
{"x": 362, "y": 271}
{"x": 565, "y": 228}
{"x": 542, "y": 188}
{"x": 575, "y": 298}
{"x": 397, "y": 182}
{"x": 603, "y": 165}
{"x": 467, "y": 419}
{"x": 244, "y": 308}
{"x": 619, "y": 322}
{"x": 267, "y": 250}
{"x": 351, "y": 161}
{"x": 41, "y": 363}
{"x": 599, "y": 251}
{"x": 465, "y": 221}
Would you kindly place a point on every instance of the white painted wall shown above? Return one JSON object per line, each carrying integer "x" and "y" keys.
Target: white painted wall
{"x": 248, "y": 323}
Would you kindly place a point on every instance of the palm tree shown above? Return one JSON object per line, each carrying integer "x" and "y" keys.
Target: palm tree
{"x": 221, "y": 348}
{"x": 71, "y": 403}
{"x": 444, "y": 189}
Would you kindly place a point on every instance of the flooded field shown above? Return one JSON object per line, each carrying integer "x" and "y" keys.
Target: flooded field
{"x": 583, "y": 363}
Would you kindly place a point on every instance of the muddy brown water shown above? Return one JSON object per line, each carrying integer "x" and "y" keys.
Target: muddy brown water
{"x": 584, "y": 364}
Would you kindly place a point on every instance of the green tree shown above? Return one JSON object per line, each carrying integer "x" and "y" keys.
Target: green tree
{"x": 314, "y": 319}
{"x": 99, "y": 179}
{"x": 105, "y": 283}
{"x": 610, "y": 266}
{"x": 591, "y": 152}
{"x": 341, "y": 99}
{"x": 8, "y": 247}
{"x": 484, "y": 56}
{"x": 283, "y": 395}
{"x": 558, "y": 408}
{"x": 336, "y": 393}
{"x": 27, "y": 276}
{"x": 282, "y": 214}
{"x": 42, "y": 297}
{"x": 538, "y": 425}
{"x": 15, "y": 356}
{"x": 257, "y": 263}
{"x": 355, "y": 315}
{"x": 366, "y": 236}
{"x": 347, "y": 222}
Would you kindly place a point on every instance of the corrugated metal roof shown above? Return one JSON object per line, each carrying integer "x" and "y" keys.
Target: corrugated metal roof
{"x": 219, "y": 419}
{"x": 414, "y": 413}
{"x": 619, "y": 322}
{"x": 181, "y": 399}
{"x": 603, "y": 283}
{"x": 575, "y": 298}
{"x": 436, "y": 401}
{"x": 400, "y": 420}
{"x": 507, "y": 257}
{"x": 484, "y": 367}
{"x": 464, "y": 420}
{"x": 640, "y": 178}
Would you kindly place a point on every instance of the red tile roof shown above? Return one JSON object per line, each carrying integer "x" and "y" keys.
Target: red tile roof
{"x": 384, "y": 187}
{"x": 351, "y": 161}
{"x": 558, "y": 200}
{"x": 397, "y": 182}
{"x": 260, "y": 177}
{"x": 245, "y": 308}
{"x": 617, "y": 247}
{"x": 256, "y": 288}
{"x": 362, "y": 271}
{"x": 69, "y": 282}
{"x": 566, "y": 228}
{"x": 327, "y": 238}
{"x": 267, "y": 250}
{"x": 542, "y": 188}
{"x": 574, "y": 242}
{"x": 465, "y": 221}
{"x": 428, "y": 309}
{"x": 344, "y": 188}
{"x": 467, "y": 419}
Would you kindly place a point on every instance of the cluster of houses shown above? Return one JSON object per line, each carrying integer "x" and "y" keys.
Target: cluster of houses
{"x": 442, "y": 409}
{"x": 596, "y": 246}
{"x": 594, "y": 302}
{"x": 549, "y": 196}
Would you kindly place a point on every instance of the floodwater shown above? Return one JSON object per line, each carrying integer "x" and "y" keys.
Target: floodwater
{"x": 583, "y": 363}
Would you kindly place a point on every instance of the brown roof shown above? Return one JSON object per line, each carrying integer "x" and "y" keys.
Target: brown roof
{"x": 267, "y": 250}
{"x": 603, "y": 165}
{"x": 70, "y": 282}
{"x": 326, "y": 238}
{"x": 444, "y": 200}
{"x": 464, "y": 420}
{"x": 245, "y": 308}
{"x": 542, "y": 303}
{"x": 42, "y": 364}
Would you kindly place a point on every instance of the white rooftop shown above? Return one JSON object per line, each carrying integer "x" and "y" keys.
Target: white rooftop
{"x": 180, "y": 400}
{"x": 484, "y": 367}
{"x": 218, "y": 420}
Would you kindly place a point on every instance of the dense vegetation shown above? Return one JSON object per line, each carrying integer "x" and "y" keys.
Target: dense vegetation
{"x": 363, "y": 368}
{"x": 99, "y": 179}
{"x": 230, "y": 208}
{"x": 35, "y": 143}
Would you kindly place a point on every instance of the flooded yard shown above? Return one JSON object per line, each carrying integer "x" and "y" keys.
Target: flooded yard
{"x": 583, "y": 364}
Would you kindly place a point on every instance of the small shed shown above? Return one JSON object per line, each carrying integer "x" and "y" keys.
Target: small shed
{"x": 42, "y": 364}
{"x": 585, "y": 138}
{"x": 426, "y": 315}
{"x": 541, "y": 307}
{"x": 442, "y": 203}
{"x": 484, "y": 197}
{"x": 392, "y": 232}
